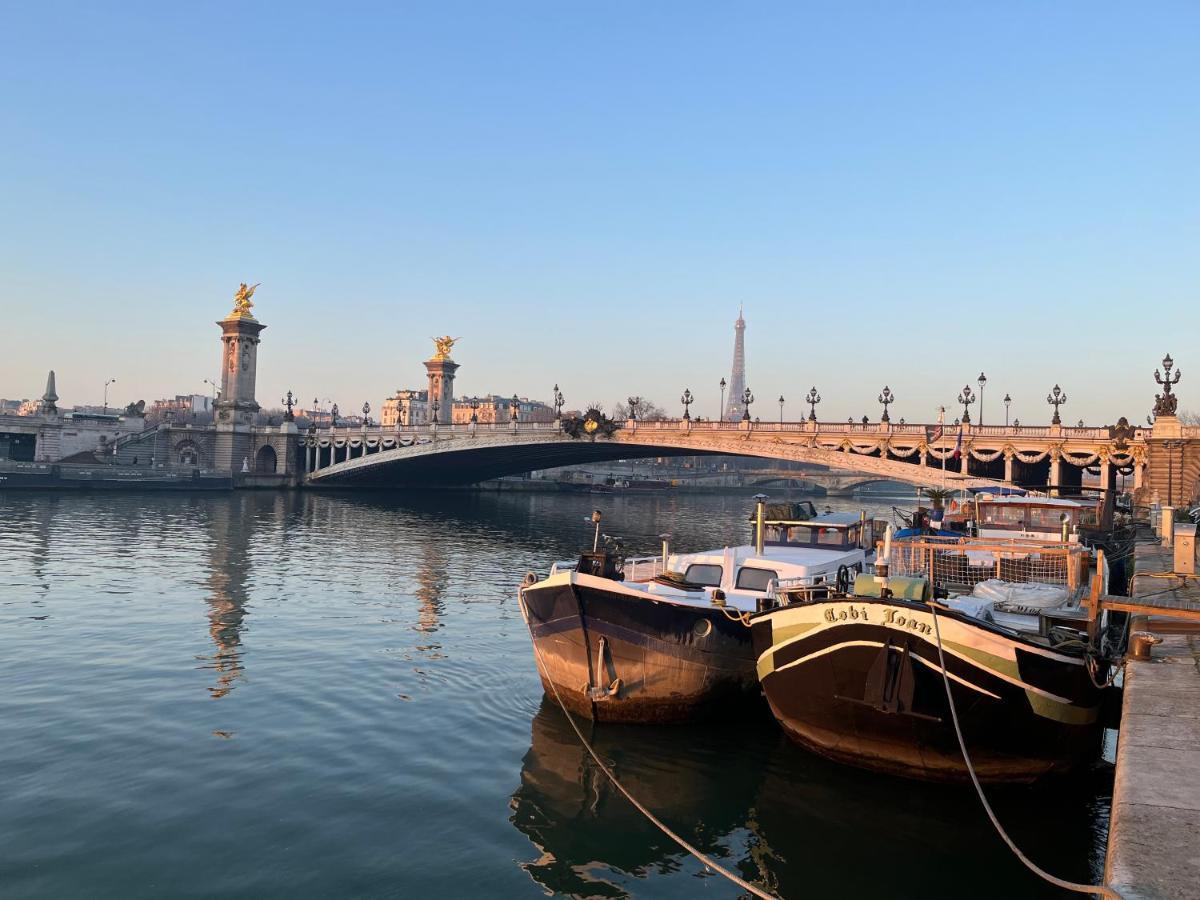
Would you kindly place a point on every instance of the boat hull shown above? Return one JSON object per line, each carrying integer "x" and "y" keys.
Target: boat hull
{"x": 859, "y": 681}
{"x": 617, "y": 657}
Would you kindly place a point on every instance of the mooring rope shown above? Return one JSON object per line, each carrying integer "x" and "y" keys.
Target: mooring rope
{"x": 1100, "y": 890}
{"x": 704, "y": 858}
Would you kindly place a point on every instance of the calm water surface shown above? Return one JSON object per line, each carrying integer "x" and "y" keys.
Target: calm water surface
{"x": 299, "y": 695}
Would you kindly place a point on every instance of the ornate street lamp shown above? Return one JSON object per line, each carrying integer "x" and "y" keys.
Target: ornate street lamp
{"x": 113, "y": 381}
{"x": 288, "y": 403}
{"x": 1079, "y": 424}
{"x": 558, "y": 403}
{"x": 514, "y": 406}
{"x": 1016, "y": 423}
{"x": 721, "y": 411}
{"x": 1007, "y": 404}
{"x": 366, "y": 410}
{"x": 1166, "y": 403}
{"x": 686, "y": 400}
{"x": 812, "y": 400}
{"x": 982, "y": 381}
{"x": 435, "y": 406}
{"x": 333, "y": 414}
{"x": 966, "y": 397}
{"x": 1056, "y": 398}
{"x": 887, "y": 398}
{"x": 781, "y": 409}
{"x": 475, "y": 409}
{"x": 634, "y": 403}
{"x": 747, "y": 399}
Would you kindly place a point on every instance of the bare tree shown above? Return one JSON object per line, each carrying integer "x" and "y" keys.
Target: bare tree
{"x": 647, "y": 411}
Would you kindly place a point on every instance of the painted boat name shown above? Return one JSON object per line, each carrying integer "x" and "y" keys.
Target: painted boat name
{"x": 891, "y": 616}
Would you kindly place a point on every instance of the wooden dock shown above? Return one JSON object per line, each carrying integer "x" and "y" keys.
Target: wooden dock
{"x": 1154, "y": 834}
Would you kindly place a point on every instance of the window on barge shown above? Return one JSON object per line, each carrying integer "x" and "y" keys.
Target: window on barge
{"x": 706, "y": 574}
{"x": 750, "y": 578}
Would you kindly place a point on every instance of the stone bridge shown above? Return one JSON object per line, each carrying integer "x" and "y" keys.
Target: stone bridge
{"x": 1045, "y": 457}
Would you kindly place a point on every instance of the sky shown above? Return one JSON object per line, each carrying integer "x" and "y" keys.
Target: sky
{"x": 899, "y": 193}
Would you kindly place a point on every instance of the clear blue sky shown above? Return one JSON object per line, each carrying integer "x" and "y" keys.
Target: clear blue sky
{"x": 899, "y": 192}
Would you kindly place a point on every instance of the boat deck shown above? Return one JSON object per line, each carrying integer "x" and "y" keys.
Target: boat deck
{"x": 1154, "y": 836}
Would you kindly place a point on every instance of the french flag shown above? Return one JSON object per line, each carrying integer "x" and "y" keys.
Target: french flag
{"x": 958, "y": 444}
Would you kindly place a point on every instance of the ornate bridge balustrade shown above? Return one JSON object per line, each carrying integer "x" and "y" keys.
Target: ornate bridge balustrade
{"x": 1045, "y": 456}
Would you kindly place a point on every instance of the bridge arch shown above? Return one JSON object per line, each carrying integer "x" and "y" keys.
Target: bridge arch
{"x": 462, "y": 456}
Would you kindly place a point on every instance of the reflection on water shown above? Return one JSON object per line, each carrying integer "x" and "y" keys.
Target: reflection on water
{"x": 381, "y": 729}
{"x": 227, "y": 598}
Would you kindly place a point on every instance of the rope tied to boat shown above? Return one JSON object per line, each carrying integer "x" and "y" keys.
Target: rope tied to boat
{"x": 1099, "y": 890}
{"x": 707, "y": 860}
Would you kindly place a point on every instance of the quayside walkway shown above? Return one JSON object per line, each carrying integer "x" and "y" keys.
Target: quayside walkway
{"x": 1154, "y": 836}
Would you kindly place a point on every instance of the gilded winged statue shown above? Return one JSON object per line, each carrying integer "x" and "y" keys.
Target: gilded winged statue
{"x": 444, "y": 344}
{"x": 241, "y": 300}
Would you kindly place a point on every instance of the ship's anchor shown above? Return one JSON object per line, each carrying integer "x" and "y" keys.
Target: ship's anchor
{"x": 600, "y": 692}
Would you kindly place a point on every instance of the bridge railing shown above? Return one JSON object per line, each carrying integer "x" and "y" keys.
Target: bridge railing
{"x": 711, "y": 426}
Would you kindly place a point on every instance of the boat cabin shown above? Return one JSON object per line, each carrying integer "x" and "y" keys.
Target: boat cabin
{"x": 1037, "y": 518}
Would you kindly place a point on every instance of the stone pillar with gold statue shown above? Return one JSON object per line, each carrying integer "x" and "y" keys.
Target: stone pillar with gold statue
{"x": 237, "y": 407}
{"x": 441, "y": 369}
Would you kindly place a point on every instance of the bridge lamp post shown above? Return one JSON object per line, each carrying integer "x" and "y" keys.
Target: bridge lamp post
{"x": 366, "y": 410}
{"x": 982, "y": 380}
{"x": 686, "y": 400}
{"x": 747, "y": 399}
{"x": 886, "y": 398}
{"x": 634, "y": 403}
{"x": 966, "y": 397}
{"x": 288, "y": 403}
{"x": 1056, "y": 398}
{"x": 812, "y": 400}
{"x": 333, "y": 414}
{"x": 514, "y": 407}
{"x": 558, "y": 404}
{"x": 781, "y": 409}
{"x": 113, "y": 380}
{"x": 1007, "y": 404}
{"x": 475, "y": 410}
{"x": 721, "y": 409}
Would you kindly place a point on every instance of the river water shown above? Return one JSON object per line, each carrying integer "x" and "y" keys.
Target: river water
{"x": 313, "y": 695}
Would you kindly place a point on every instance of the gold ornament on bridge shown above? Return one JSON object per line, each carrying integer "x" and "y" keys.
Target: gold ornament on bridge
{"x": 444, "y": 345}
{"x": 241, "y": 301}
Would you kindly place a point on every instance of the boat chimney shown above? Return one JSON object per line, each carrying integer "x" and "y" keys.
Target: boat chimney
{"x": 881, "y": 565}
{"x": 1065, "y": 521}
{"x": 596, "y": 517}
{"x": 760, "y": 514}
{"x": 666, "y": 542}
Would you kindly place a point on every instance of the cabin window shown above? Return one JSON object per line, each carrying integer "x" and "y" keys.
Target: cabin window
{"x": 1048, "y": 518}
{"x": 752, "y": 579}
{"x": 704, "y": 573}
{"x": 831, "y": 537}
{"x": 1003, "y": 516}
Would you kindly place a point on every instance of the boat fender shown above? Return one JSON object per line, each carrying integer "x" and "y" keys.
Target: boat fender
{"x": 842, "y": 584}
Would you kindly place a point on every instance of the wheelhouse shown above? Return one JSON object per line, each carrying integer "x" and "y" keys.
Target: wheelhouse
{"x": 831, "y": 531}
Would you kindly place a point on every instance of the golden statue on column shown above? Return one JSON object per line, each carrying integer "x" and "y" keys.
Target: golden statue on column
{"x": 241, "y": 301}
{"x": 444, "y": 345}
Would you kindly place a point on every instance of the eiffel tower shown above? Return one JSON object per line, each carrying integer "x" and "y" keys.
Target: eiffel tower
{"x": 737, "y": 378}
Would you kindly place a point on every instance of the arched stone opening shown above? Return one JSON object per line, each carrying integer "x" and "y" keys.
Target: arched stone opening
{"x": 265, "y": 461}
{"x": 187, "y": 454}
